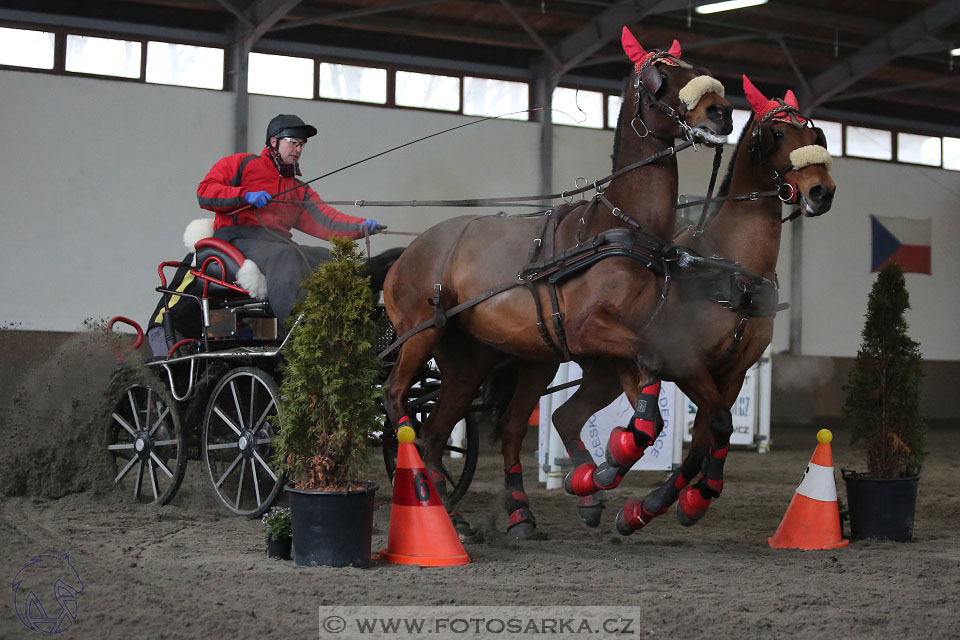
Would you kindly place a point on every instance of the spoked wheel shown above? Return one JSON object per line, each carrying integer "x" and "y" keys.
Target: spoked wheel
{"x": 145, "y": 438}
{"x": 461, "y": 450}
{"x": 239, "y": 429}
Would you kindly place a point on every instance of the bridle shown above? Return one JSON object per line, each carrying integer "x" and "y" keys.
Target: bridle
{"x": 644, "y": 98}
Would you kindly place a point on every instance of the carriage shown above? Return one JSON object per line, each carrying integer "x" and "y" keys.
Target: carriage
{"x": 213, "y": 397}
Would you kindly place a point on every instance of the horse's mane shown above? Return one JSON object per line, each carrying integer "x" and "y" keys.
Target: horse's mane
{"x": 619, "y": 132}
{"x": 724, "y": 188}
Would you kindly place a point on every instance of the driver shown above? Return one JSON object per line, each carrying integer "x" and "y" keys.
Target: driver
{"x": 275, "y": 202}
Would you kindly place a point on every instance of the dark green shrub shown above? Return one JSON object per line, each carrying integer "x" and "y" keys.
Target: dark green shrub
{"x": 329, "y": 393}
{"x": 882, "y": 406}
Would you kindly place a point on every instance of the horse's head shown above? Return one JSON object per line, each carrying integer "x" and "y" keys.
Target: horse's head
{"x": 675, "y": 99}
{"x": 794, "y": 149}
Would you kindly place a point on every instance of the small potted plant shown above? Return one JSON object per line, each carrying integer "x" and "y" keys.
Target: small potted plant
{"x": 882, "y": 411}
{"x": 276, "y": 522}
{"x": 328, "y": 409}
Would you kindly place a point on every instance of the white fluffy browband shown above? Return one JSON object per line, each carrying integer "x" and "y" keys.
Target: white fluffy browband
{"x": 810, "y": 154}
{"x": 697, "y": 88}
{"x": 250, "y": 278}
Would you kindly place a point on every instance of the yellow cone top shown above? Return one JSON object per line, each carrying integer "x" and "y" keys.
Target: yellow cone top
{"x": 824, "y": 436}
{"x": 407, "y": 434}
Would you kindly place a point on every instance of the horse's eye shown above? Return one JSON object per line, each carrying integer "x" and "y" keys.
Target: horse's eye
{"x": 663, "y": 76}
{"x": 777, "y": 134}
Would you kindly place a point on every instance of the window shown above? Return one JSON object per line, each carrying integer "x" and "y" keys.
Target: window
{"x": 428, "y": 91}
{"x": 578, "y": 108}
{"x": 103, "y": 56}
{"x": 833, "y": 132}
{"x": 346, "y": 82}
{"x": 613, "y": 110}
{"x": 22, "y": 48}
{"x": 486, "y": 97}
{"x": 740, "y": 117}
{"x": 918, "y": 149}
{"x": 951, "y": 154}
{"x": 280, "y": 76}
{"x": 184, "y": 65}
{"x": 869, "y": 143}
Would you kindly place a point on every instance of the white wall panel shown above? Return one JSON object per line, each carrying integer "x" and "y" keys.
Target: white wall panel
{"x": 99, "y": 180}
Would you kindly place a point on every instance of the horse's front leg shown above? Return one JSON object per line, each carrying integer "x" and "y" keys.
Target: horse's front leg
{"x": 626, "y": 444}
{"x": 598, "y": 388}
{"x": 532, "y": 378}
{"x": 712, "y": 428}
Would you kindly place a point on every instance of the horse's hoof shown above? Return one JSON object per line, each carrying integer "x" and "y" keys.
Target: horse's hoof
{"x": 590, "y": 509}
{"x": 590, "y": 515}
{"x": 462, "y": 527}
{"x": 622, "y": 527}
{"x": 522, "y": 530}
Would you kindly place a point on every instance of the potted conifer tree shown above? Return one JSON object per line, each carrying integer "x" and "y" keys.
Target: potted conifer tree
{"x": 882, "y": 411}
{"x": 328, "y": 408}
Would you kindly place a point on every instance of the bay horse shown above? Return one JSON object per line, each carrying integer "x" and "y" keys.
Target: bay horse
{"x": 706, "y": 347}
{"x": 474, "y": 262}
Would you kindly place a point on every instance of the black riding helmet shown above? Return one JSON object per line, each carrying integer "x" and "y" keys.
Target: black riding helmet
{"x": 289, "y": 126}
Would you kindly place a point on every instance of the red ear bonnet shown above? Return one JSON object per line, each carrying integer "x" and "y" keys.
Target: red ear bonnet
{"x": 791, "y": 100}
{"x": 764, "y": 108}
{"x": 632, "y": 48}
{"x": 642, "y": 58}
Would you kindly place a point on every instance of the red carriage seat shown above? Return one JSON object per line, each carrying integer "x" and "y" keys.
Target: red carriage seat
{"x": 222, "y": 267}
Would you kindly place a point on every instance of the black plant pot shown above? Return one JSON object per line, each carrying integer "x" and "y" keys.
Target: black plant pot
{"x": 880, "y": 508}
{"x": 332, "y": 528}
{"x": 279, "y": 548}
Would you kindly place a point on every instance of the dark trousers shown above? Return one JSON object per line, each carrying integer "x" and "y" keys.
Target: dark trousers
{"x": 280, "y": 261}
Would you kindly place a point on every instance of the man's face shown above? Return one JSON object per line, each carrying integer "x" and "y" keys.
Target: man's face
{"x": 290, "y": 149}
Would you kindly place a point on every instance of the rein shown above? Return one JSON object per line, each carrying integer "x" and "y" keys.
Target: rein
{"x": 508, "y": 200}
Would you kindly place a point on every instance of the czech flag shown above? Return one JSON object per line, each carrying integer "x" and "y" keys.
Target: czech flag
{"x": 903, "y": 240}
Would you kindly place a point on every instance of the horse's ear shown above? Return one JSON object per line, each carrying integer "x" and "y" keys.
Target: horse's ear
{"x": 756, "y": 99}
{"x": 791, "y": 100}
{"x": 651, "y": 79}
{"x": 675, "y": 49}
{"x": 631, "y": 47}
{"x": 821, "y": 137}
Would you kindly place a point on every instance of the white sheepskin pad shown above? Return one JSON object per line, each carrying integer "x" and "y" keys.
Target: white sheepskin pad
{"x": 699, "y": 87}
{"x": 196, "y": 231}
{"x": 250, "y": 278}
{"x": 810, "y": 154}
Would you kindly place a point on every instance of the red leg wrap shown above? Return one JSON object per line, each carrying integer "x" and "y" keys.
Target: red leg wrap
{"x": 579, "y": 482}
{"x": 634, "y": 517}
{"x": 691, "y": 506}
{"x": 622, "y": 448}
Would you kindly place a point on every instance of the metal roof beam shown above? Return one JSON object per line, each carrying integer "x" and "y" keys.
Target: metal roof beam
{"x": 881, "y": 51}
{"x": 354, "y": 13}
{"x": 586, "y": 40}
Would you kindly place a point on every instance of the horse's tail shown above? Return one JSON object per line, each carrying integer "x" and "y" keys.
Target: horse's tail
{"x": 377, "y": 267}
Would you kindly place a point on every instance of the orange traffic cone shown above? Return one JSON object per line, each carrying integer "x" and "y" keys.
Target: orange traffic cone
{"x": 420, "y": 529}
{"x": 812, "y": 520}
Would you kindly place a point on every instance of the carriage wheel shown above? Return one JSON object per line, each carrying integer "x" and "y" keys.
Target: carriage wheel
{"x": 239, "y": 429}
{"x": 145, "y": 438}
{"x": 459, "y": 459}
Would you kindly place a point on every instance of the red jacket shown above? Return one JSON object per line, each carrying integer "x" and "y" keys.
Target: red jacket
{"x": 300, "y": 208}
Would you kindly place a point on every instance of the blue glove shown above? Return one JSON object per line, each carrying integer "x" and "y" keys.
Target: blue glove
{"x": 373, "y": 226}
{"x": 257, "y": 198}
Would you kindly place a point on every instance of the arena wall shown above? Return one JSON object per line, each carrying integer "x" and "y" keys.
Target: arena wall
{"x": 100, "y": 179}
